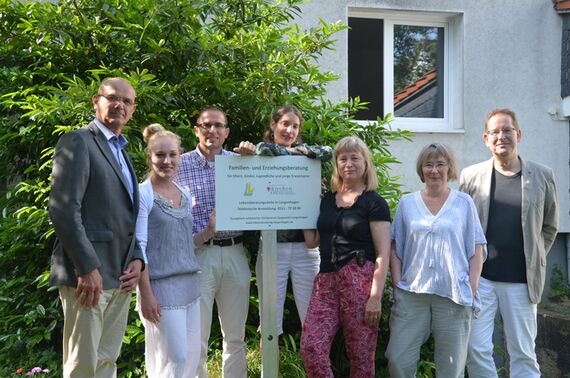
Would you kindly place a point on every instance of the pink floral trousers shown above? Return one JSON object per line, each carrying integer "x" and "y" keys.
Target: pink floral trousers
{"x": 339, "y": 300}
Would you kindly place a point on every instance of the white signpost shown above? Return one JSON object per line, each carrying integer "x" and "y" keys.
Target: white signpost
{"x": 267, "y": 194}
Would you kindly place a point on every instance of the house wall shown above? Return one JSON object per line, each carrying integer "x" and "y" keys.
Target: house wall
{"x": 511, "y": 57}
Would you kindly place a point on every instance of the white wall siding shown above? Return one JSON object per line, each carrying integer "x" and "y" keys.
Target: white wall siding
{"x": 511, "y": 58}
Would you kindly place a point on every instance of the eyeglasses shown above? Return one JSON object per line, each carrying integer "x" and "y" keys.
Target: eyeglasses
{"x": 438, "y": 166}
{"x": 112, "y": 98}
{"x": 507, "y": 132}
{"x": 218, "y": 126}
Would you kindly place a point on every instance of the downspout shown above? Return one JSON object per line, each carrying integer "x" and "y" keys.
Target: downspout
{"x": 568, "y": 257}
{"x": 562, "y": 7}
{"x": 565, "y": 112}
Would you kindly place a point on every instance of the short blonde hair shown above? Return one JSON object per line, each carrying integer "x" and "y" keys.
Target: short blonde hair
{"x": 354, "y": 144}
{"x": 437, "y": 150}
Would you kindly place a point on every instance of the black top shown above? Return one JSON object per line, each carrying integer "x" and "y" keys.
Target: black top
{"x": 347, "y": 229}
{"x": 506, "y": 261}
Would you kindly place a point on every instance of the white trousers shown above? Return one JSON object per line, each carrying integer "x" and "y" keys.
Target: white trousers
{"x": 225, "y": 278}
{"x": 519, "y": 321}
{"x": 172, "y": 347}
{"x": 303, "y": 264}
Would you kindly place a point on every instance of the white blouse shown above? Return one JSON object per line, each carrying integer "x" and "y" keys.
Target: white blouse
{"x": 435, "y": 249}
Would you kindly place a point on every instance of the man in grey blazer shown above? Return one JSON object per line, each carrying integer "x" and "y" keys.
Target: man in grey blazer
{"x": 517, "y": 205}
{"x": 96, "y": 261}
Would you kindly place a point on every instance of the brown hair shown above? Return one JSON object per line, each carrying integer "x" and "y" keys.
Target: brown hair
{"x": 504, "y": 111}
{"x": 211, "y": 109}
{"x": 268, "y": 136}
{"x": 436, "y": 150}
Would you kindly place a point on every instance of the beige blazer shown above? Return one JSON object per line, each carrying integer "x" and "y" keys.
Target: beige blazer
{"x": 539, "y": 213}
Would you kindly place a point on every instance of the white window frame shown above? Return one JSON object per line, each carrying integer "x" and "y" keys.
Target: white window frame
{"x": 452, "y": 23}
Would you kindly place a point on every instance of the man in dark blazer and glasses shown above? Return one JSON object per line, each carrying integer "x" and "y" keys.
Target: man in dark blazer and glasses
{"x": 96, "y": 261}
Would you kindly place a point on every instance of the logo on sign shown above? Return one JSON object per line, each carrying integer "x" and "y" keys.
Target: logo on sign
{"x": 248, "y": 189}
{"x": 280, "y": 189}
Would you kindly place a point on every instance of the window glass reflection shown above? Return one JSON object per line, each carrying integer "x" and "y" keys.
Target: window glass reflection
{"x": 418, "y": 71}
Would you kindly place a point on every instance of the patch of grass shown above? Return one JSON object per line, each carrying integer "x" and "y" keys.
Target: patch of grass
{"x": 215, "y": 363}
{"x": 290, "y": 365}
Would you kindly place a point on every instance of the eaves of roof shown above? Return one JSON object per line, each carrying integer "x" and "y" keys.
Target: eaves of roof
{"x": 562, "y": 6}
{"x": 415, "y": 87}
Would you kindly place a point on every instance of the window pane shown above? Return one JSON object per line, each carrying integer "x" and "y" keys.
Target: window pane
{"x": 365, "y": 65}
{"x": 418, "y": 71}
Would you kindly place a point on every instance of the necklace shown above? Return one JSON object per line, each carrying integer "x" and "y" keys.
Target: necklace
{"x": 174, "y": 198}
{"x": 170, "y": 193}
{"x": 348, "y": 198}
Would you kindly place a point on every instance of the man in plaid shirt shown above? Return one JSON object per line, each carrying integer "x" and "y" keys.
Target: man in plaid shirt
{"x": 225, "y": 271}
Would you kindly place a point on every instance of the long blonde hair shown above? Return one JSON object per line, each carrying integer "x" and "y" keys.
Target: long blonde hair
{"x": 354, "y": 144}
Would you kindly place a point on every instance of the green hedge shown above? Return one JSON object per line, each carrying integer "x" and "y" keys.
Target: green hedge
{"x": 246, "y": 56}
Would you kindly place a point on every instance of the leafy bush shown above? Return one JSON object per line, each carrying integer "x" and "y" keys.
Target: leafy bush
{"x": 246, "y": 56}
{"x": 559, "y": 289}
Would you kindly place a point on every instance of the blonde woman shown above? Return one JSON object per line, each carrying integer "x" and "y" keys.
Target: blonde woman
{"x": 353, "y": 230}
{"x": 169, "y": 289}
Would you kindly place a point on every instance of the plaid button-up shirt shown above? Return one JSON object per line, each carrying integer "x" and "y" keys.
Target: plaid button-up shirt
{"x": 197, "y": 176}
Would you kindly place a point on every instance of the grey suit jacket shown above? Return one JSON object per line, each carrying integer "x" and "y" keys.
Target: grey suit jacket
{"x": 539, "y": 213}
{"x": 91, "y": 210}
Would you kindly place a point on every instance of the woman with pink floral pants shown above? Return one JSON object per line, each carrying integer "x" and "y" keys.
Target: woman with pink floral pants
{"x": 353, "y": 230}
{"x": 339, "y": 298}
